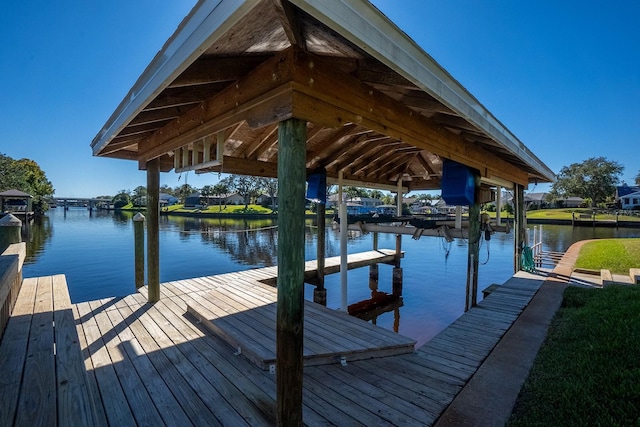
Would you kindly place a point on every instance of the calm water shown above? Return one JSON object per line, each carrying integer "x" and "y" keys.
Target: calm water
{"x": 96, "y": 255}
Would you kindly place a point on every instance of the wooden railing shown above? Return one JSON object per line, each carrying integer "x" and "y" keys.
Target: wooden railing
{"x": 11, "y": 262}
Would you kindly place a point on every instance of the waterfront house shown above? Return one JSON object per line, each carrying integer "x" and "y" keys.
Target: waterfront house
{"x": 628, "y": 196}
{"x": 168, "y": 199}
{"x": 630, "y": 201}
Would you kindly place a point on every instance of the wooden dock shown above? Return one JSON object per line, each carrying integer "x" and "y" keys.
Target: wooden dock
{"x": 126, "y": 362}
{"x": 243, "y": 314}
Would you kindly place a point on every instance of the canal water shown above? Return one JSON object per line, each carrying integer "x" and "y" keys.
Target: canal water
{"x": 95, "y": 252}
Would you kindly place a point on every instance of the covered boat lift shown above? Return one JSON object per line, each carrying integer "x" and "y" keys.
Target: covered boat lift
{"x": 285, "y": 88}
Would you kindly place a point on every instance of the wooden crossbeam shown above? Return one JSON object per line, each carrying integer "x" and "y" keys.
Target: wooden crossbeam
{"x": 324, "y": 95}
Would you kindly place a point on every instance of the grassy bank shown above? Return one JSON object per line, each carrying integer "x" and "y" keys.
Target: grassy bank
{"x": 216, "y": 210}
{"x": 588, "y": 370}
{"x": 568, "y": 214}
{"x": 617, "y": 255}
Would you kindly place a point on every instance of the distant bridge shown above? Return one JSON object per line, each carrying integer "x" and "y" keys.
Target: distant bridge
{"x": 89, "y": 202}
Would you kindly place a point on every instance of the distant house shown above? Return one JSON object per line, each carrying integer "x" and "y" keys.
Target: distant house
{"x": 265, "y": 200}
{"x": 194, "y": 200}
{"x": 168, "y": 199}
{"x": 234, "y": 199}
{"x": 535, "y": 199}
{"x": 630, "y": 201}
{"x": 367, "y": 203}
{"x": 572, "y": 202}
{"x": 628, "y": 196}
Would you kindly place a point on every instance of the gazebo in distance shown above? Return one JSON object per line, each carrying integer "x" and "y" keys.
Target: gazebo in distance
{"x": 16, "y": 202}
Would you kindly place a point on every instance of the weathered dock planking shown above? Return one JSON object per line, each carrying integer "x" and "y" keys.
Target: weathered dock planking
{"x": 134, "y": 363}
{"x": 245, "y": 317}
{"x": 43, "y": 380}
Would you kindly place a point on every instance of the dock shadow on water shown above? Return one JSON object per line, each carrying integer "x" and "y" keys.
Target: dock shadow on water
{"x": 95, "y": 252}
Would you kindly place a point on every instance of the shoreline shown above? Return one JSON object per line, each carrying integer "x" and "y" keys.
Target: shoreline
{"x": 534, "y": 221}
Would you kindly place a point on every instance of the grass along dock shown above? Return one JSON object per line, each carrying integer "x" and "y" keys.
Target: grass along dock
{"x": 123, "y": 361}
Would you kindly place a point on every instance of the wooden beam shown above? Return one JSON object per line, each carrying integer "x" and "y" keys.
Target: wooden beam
{"x": 261, "y": 97}
{"x": 244, "y": 167}
{"x": 324, "y": 95}
{"x": 315, "y": 157}
{"x": 290, "y": 308}
{"x": 217, "y": 69}
{"x": 288, "y": 16}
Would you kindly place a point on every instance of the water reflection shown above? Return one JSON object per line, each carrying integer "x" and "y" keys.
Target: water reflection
{"x": 36, "y": 234}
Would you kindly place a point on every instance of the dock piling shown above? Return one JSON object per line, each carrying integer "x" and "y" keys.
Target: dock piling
{"x": 10, "y": 227}
{"x": 138, "y": 237}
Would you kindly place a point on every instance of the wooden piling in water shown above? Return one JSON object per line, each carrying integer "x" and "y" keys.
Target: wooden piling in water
{"x": 519, "y": 227}
{"x": 10, "y": 228}
{"x": 138, "y": 238}
{"x": 473, "y": 253}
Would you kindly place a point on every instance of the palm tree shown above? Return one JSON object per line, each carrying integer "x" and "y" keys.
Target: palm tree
{"x": 219, "y": 190}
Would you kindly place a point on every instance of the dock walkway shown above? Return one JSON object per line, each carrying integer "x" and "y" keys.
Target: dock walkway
{"x": 153, "y": 364}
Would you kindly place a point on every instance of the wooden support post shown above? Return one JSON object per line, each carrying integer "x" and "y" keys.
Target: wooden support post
{"x": 375, "y": 240}
{"x": 399, "y": 200}
{"x": 290, "y": 310}
{"x": 320, "y": 249}
{"x": 10, "y": 228}
{"x": 498, "y": 205}
{"x": 343, "y": 246}
{"x": 153, "y": 229}
{"x": 396, "y": 281}
{"x": 398, "y": 250}
{"x": 458, "y": 221}
{"x": 138, "y": 245}
{"x": 320, "y": 293}
{"x": 519, "y": 226}
{"x": 474, "y": 250}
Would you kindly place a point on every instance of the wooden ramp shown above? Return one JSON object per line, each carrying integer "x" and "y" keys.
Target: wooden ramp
{"x": 244, "y": 315}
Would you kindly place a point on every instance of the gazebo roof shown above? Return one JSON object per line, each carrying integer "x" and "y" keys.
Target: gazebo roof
{"x": 15, "y": 193}
{"x": 379, "y": 109}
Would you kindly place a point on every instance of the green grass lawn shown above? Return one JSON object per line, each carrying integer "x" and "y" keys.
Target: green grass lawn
{"x": 616, "y": 255}
{"x": 588, "y": 370}
{"x": 568, "y": 213}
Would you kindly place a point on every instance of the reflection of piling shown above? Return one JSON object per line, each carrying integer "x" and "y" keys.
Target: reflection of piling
{"x": 10, "y": 228}
{"x": 396, "y": 281}
{"x": 373, "y": 277}
{"x": 138, "y": 233}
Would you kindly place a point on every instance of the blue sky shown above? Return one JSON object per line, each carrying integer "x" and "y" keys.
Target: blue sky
{"x": 563, "y": 76}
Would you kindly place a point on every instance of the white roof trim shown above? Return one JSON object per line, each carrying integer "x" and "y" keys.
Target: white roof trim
{"x": 366, "y": 27}
{"x": 207, "y": 22}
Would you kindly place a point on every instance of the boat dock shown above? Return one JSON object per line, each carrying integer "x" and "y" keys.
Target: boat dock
{"x": 123, "y": 361}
